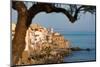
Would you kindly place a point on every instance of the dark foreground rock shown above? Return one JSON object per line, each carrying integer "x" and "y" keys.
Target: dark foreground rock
{"x": 80, "y": 49}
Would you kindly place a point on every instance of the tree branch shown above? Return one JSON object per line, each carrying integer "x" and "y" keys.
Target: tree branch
{"x": 77, "y": 11}
{"x": 49, "y": 8}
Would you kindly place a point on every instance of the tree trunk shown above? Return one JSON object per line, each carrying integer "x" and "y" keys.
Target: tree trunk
{"x": 18, "y": 43}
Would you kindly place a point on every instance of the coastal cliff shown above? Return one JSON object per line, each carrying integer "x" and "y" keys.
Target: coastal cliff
{"x": 43, "y": 46}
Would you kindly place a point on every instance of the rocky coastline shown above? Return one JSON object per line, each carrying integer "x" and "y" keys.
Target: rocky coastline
{"x": 47, "y": 47}
{"x": 80, "y": 49}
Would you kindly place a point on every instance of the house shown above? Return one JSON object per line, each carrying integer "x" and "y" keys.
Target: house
{"x": 59, "y": 41}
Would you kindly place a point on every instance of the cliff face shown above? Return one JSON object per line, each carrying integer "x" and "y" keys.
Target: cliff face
{"x": 43, "y": 46}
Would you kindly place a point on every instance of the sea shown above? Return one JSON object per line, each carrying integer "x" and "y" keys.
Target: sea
{"x": 83, "y": 40}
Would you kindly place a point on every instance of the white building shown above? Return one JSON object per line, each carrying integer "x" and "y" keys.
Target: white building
{"x": 35, "y": 35}
{"x": 50, "y": 30}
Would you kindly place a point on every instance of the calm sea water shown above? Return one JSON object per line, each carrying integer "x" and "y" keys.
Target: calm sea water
{"x": 78, "y": 56}
{"x": 82, "y": 40}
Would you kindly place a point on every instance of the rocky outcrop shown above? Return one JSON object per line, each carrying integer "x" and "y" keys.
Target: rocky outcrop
{"x": 43, "y": 46}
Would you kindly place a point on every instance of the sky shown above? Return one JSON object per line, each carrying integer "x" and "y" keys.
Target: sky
{"x": 86, "y": 22}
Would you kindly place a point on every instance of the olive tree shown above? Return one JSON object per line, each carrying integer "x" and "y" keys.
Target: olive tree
{"x": 25, "y": 16}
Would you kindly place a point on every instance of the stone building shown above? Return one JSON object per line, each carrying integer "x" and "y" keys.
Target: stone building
{"x": 59, "y": 41}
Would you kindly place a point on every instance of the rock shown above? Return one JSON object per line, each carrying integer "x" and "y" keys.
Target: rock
{"x": 53, "y": 53}
{"x": 76, "y": 49}
{"x": 88, "y": 49}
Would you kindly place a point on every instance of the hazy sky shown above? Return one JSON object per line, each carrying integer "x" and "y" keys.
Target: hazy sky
{"x": 61, "y": 22}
